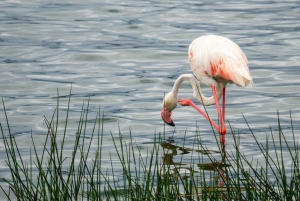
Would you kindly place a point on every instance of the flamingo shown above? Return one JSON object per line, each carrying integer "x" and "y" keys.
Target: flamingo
{"x": 216, "y": 61}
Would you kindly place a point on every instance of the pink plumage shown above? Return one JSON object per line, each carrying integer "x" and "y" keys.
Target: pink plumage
{"x": 218, "y": 59}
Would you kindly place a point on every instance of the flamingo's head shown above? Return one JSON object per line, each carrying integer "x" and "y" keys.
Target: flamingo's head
{"x": 169, "y": 104}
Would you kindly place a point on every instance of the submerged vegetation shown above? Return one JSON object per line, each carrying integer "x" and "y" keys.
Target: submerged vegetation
{"x": 57, "y": 172}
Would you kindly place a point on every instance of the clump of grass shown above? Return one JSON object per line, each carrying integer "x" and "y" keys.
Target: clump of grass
{"x": 56, "y": 173}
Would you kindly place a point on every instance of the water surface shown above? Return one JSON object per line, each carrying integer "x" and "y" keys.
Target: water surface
{"x": 126, "y": 55}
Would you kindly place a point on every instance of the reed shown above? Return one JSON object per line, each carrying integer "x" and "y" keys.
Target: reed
{"x": 53, "y": 172}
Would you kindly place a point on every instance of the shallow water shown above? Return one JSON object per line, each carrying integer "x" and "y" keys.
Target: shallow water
{"x": 126, "y": 55}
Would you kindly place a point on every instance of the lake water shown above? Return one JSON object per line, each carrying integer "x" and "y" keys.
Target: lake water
{"x": 126, "y": 55}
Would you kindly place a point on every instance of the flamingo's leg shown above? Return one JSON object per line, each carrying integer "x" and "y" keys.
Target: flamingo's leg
{"x": 188, "y": 102}
{"x": 221, "y": 114}
{"x": 223, "y": 117}
{"x": 217, "y": 102}
{"x": 222, "y": 130}
{"x": 223, "y": 103}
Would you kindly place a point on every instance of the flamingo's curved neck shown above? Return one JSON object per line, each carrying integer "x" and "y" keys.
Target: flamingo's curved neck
{"x": 196, "y": 88}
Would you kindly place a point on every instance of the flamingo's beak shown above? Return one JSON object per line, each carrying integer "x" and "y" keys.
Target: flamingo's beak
{"x": 166, "y": 116}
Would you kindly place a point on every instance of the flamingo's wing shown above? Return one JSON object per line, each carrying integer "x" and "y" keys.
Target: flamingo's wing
{"x": 216, "y": 58}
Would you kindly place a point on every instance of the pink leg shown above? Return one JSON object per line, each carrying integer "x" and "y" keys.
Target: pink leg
{"x": 223, "y": 103}
{"x": 188, "y": 102}
{"x": 223, "y": 117}
{"x": 217, "y": 103}
{"x": 221, "y": 114}
{"x": 222, "y": 131}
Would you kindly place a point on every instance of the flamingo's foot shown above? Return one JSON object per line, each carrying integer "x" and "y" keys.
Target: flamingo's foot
{"x": 185, "y": 102}
{"x": 222, "y": 131}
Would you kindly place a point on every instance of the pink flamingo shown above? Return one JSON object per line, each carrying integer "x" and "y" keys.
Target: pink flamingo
{"x": 216, "y": 61}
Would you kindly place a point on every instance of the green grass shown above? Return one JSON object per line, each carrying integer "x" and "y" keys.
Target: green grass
{"x": 56, "y": 172}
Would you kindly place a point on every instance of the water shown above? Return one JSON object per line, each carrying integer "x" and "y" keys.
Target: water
{"x": 126, "y": 55}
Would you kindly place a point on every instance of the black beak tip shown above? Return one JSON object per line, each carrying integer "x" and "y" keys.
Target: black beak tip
{"x": 171, "y": 124}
